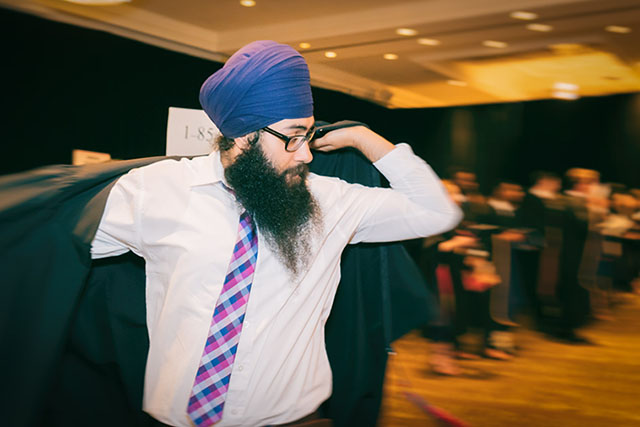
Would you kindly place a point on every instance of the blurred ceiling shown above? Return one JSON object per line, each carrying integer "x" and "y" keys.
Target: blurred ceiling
{"x": 458, "y": 52}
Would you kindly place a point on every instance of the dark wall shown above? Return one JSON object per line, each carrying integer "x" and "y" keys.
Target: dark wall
{"x": 66, "y": 87}
{"x": 509, "y": 141}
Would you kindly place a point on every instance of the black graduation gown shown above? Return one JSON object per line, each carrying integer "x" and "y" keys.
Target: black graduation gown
{"x": 73, "y": 330}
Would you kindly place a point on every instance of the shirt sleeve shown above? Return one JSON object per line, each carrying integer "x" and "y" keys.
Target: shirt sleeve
{"x": 119, "y": 227}
{"x": 416, "y": 205}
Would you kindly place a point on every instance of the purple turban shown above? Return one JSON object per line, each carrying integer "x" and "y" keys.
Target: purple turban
{"x": 262, "y": 83}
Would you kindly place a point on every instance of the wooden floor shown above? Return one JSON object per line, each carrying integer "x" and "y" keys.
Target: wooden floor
{"x": 548, "y": 384}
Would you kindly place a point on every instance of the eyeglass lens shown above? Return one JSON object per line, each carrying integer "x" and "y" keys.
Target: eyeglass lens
{"x": 296, "y": 142}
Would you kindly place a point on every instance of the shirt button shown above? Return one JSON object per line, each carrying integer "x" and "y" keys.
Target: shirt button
{"x": 234, "y": 411}
{"x": 240, "y": 368}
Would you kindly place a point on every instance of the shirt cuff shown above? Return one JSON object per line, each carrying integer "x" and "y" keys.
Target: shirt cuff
{"x": 398, "y": 162}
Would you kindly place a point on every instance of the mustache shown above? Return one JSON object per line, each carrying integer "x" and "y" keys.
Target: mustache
{"x": 301, "y": 170}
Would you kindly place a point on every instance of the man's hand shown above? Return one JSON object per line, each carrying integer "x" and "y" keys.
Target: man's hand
{"x": 372, "y": 145}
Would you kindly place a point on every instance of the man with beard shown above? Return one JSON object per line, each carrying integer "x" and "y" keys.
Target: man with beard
{"x": 242, "y": 342}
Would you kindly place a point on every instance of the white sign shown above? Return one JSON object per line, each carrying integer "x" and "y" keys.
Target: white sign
{"x": 190, "y": 132}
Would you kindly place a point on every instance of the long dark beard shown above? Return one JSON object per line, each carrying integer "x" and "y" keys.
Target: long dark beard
{"x": 280, "y": 204}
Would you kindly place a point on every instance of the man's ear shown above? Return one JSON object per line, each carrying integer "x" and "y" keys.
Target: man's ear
{"x": 242, "y": 142}
{"x": 245, "y": 142}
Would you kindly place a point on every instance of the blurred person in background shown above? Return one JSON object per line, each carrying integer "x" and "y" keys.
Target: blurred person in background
{"x": 439, "y": 331}
{"x": 505, "y": 202}
{"x": 466, "y": 267}
{"x": 621, "y": 237}
{"x": 635, "y": 235}
{"x": 636, "y": 194}
{"x": 573, "y": 298}
{"x": 465, "y": 181}
{"x": 506, "y": 240}
{"x": 465, "y": 271}
{"x": 474, "y": 204}
{"x": 541, "y": 215}
{"x": 620, "y": 220}
{"x": 543, "y": 192}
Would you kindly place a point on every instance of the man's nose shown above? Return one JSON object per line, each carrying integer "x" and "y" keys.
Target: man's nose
{"x": 303, "y": 154}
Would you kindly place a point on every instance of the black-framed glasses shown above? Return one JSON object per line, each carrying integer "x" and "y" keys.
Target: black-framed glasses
{"x": 292, "y": 143}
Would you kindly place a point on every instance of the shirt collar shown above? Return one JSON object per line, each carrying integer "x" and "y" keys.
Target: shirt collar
{"x": 208, "y": 170}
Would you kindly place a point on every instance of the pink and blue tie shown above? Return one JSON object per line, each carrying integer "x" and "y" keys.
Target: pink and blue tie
{"x": 214, "y": 372}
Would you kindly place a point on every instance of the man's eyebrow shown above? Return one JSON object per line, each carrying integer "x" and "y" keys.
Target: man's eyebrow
{"x": 297, "y": 127}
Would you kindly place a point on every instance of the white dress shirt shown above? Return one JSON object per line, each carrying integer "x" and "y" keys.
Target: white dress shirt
{"x": 180, "y": 219}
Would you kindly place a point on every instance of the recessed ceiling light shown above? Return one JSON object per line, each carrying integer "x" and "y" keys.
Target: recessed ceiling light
{"x": 406, "y": 32}
{"x": 618, "y": 29}
{"x": 539, "y": 27}
{"x": 563, "y": 86}
{"x": 521, "y": 14}
{"x": 428, "y": 42}
{"x": 495, "y": 43}
{"x": 569, "y": 96}
{"x": 390, "y": 56}
{"x": 247, "y": 3}
{"x": 304, "y": 45}
{"x": 330, "y": 54}
{"x": 456, "y": 83}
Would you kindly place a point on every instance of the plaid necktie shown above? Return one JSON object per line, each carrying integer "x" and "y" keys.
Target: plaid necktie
{"x": 212, "y": 379}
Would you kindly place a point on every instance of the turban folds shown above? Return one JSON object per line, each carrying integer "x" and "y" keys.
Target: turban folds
{"x": 262, "y": 83}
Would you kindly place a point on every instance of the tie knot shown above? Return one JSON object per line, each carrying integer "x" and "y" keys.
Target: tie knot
{"x": 229, "y": 189}
{"x": 245, "y": 218}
